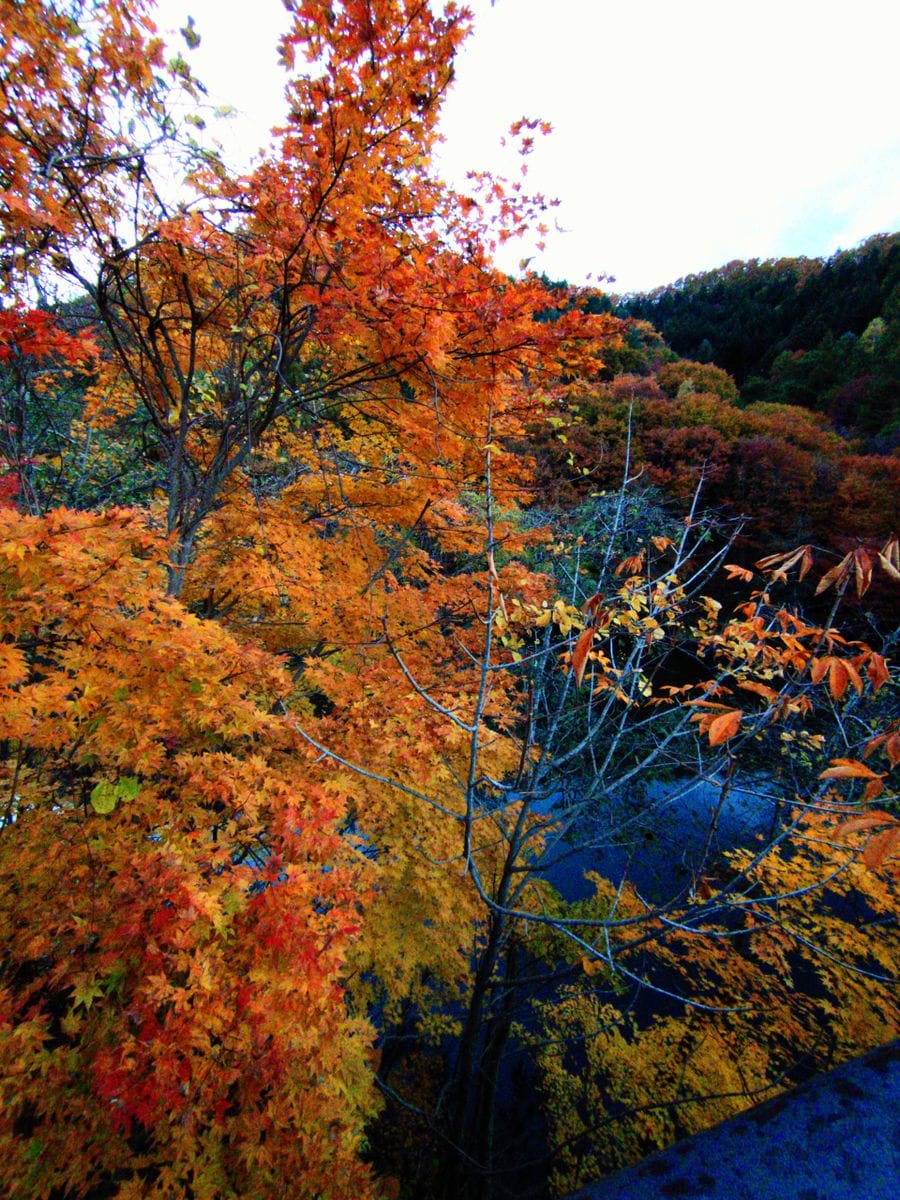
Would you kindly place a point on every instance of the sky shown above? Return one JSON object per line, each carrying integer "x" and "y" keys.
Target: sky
{"x": 686, "y": 133}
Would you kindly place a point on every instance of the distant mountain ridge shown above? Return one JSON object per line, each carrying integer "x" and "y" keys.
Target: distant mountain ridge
{"x": 824, "y": 333}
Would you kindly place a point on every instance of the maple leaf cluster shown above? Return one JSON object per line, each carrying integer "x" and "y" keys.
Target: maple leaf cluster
{"x": 177, "y": 909}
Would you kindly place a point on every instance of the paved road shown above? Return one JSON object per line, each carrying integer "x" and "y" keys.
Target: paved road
{"x": 835, "y": 1138}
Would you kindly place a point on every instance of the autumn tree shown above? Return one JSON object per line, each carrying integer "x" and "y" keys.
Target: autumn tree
{"x": 319, "y": 355}
{"x": 175, "y": 1020}
{"x": 338, "y": 281}
{"x": 589, "y": 740}
{"x": 792, "y": 989}
{"x": 43, "y": 373}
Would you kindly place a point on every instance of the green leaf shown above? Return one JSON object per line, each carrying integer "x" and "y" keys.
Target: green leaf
{"x": 128, "y": 787}
{"x": 103, "y": 797}
{"x": 113, "y": 981}
{"x": 232, "y": 902}
{"x": 106, "y": 795}
{"x": 86, "y": 991}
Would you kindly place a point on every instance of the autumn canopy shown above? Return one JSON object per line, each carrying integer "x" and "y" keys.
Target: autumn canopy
{"x": 307, "y": 680}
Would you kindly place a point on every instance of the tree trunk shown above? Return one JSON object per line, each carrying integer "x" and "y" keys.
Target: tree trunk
{"x": 486, "y": 1095}
{"x": 461, "y": 1160}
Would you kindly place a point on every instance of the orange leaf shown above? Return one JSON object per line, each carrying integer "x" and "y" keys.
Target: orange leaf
{"x": 725, "y": 726}
{"x": 877, "y": 672}
{"x": 819, "y": 669}
{"x": 873, "y": 743}
{"x": 736, "y": 572}
{"x": 785, "y": 561}
{"x": 632, "y": 565}
{"x": 862, "y": 562}
{"x": 703, "y": 889}
{"x": 580, "y": 654}
{"x": 837, "y": 678}
{"x": 870, "y": 821}
{"x": 892, "y": 749}
{"x": 888, "y": 567}
{"x": 760, "y": 689}
{"x": 848, "y": 768}
{"x": 772, "y": 560}
{"x": 836, "y": 574}
{"x": 853, "y": 676}
{"x": 591, "y": 607}
{"x": 872, "y": 789}
{"x": 881, "y": 847}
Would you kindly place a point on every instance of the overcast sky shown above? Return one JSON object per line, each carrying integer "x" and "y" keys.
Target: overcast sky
{"x": 686, "y": 133}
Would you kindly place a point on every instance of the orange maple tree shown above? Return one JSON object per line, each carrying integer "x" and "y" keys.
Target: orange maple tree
{"x": 177, "y": 908}
{"x": 334, "y": 318}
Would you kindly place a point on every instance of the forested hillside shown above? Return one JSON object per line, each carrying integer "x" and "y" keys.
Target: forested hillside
{"x": 448, "y": 737}
{"x": 824, "y": 334}
{"x": 773, "y": 386}
{"x": 779, "y": 471}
